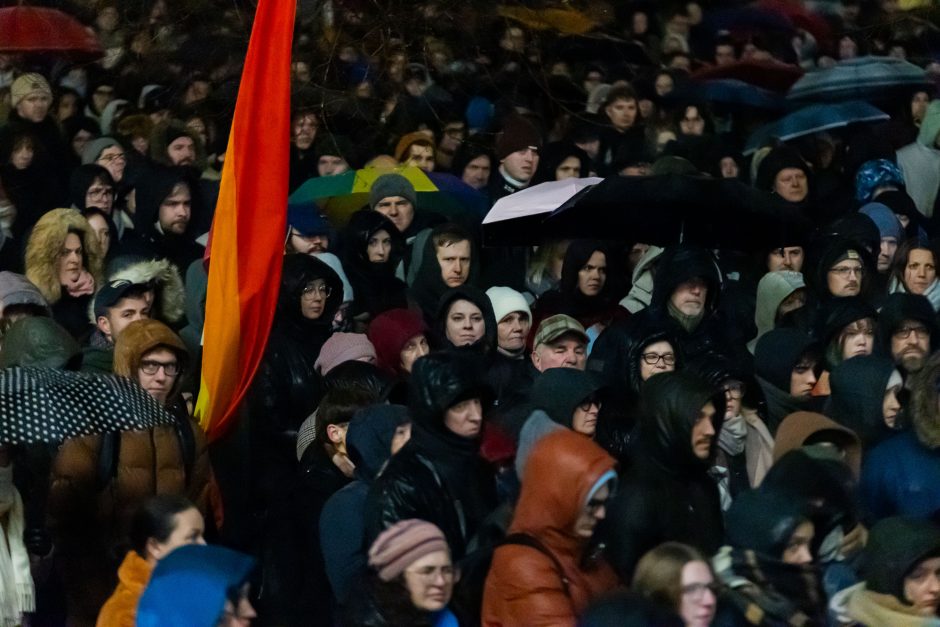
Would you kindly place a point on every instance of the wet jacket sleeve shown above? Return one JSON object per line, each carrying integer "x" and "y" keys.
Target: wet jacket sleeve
{"x": 524, "y": 588}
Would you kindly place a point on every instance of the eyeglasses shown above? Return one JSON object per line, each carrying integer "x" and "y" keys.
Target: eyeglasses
{"x": 590, "y": 401}
{"x": 100, "y": 192}
{"x": 430, "y": 573}
{"x": 112, "y": 158}
{"x": 903, "y": 333}
{"x": 844, "y": 272}
{"x": 652, "y": 359}
{"x": 734, "y": 389}
{"x": 317, "y": 289}
{"x": 151, "y": 367}
{"x": 697, "y": 590}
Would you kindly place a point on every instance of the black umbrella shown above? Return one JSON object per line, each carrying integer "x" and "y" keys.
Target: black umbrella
{"x": 48, "y": 405}
{"x": 672, "y": 208}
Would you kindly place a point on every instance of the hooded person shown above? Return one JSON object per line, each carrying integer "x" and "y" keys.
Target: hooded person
{"x": 837, "y": 266}
{"x": 641, "y": 284}
{"x": 39, "y": 342}
{"x": 767, "y": 566}
{"x": 285, "y": 390}
{"x": 449, "y": 244}
{"x": 899, "y": 577}
{"x": 465, "y": 322}
{"x": 566, "y": 486}
{"x": 920, "y": 162}
{"x": 91, "y": 522}
{"x": 375, "y": 433}
{"x": 400, "y": 337}
{"x": 569, "y": 397}
{"x": 912, "y": 220}
{"x": 907, "y": 331}
{"x": 787, "y": 363}
{"x": 373, "y": 250}
{"x": 341, "y": 320}
{"x": 819, "y": 435}
{"x": 91, "y": 185}
{"x": 20, "y": 298}
{"x": 561, "y": 160}
{"x": 898, "y": 473}
{"x": 784, "y": 173}
{"x": 63, "y": 259}
{"x": 864, "y": 398}
{"x": 778, "y": 293}
{"x": 168, "y": 209}
{"x": 668, "y": 494}
{"x": 875, "y": 177}
{"x": 846, "y": 330}
{"x": 439, "y": 476}
{"x": 892, "y": 234}
{"x": 588, "y": 291}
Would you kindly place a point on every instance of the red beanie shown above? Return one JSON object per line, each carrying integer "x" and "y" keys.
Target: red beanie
{"x": 389, "y": 333}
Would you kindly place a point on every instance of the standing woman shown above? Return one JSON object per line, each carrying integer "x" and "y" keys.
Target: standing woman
{"x": 410, "y": 580}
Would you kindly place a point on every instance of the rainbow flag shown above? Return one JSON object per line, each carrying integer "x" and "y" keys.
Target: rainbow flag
{"x": 247, "y": 238}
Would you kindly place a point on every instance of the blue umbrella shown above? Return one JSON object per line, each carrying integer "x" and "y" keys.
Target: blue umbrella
{"x": 732, "y": 93}
{"x": 864, "y": 78}
{"x": 814, "y": 119}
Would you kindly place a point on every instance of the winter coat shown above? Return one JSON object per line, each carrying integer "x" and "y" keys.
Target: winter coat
{"x": 775, "y": 356}
{"x": 524, "y": 585}
{"x": 900, "y": 476}
{"x": 799, "y": 428}
{"x": 148, "y": 240}
{"x": 91, "y": 522}
{"x": 858, "y": 390}
{"x": 667, "y": 494}
{"x": 437, "y": 476}
{"x": 120, "y": 610}
{"x": 368, "y": 444}
{"x": 677, "y": 265}
{"x": 376, "y": 287}
{"x": 920, "y": 163}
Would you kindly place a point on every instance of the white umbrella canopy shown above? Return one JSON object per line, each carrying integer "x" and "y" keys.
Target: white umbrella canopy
{"x": 511, "y": 216}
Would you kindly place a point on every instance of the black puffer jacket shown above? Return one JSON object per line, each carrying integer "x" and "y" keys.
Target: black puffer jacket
{"x": 438, "y": 476}
{"x": 376, "y": 287}
{"x": 667, "y": 494}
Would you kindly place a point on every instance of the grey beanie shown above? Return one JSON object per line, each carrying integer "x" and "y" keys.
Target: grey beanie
{"x": 392, "y": 185}
{"x": 95, "y": 147}
{"x": 16, "y": 289}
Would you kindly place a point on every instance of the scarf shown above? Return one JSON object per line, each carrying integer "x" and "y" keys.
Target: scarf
{"x": 7, "y": 216}
{"x": 689, "y": 323}
{"x": 932, "y": 293}
{"x": 16, "y": 583}
{"x": 733, "y": 434}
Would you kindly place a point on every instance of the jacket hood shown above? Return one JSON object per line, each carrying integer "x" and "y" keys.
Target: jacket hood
{"x": 778, "y": 159}
{"x": 426, "y": 285}
{"x": 773, "y": 289}
{"x": 82, "y": 178}
{"x": 858, "y": 388}
{"x": 141, "y": 337}
{"x": 899, "y": 307}
{"x": 930, "y": 126}
{"x": 536, "y": 427}
{"x": 45, "y": 242}
{"x": 642, "y": 334}
{"x": 763, "y": 521}
{"x": 822, "y": 255}
{"x": 559, "y": 391}
{"x": 576, "y": 257}
{"x": 552, "y": 155}
{"x": 776, "y": 354}
{"x": 924, "y": 415}
{"x": 152, "y": 190}
{"x": 478, "y": 298}
{"x": 671, "y": 404}
{"x": 895, "y": 546}
{"x": 362, "y": 226}
{"x": 165, "y": 134}
{"x": 337, "y": 266}
{"x": 440, "y": 381}
{"x": 299, "y": 270}
{"x": 682, "y": 263}
{"x": 804, "y": 428}
{"x": 562, "y": 472}
{"x": 836, "y": 314}
{"x": 16, "y": 289}
{"x": 169, "y": 296}
{"x": 39, "y": 342}
{"x": 369, "y": 437}
{"x": 887, "y": 223}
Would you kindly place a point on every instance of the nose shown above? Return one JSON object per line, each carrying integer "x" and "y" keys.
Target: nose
{"x": 709, "y": 428}
{"x": 804, "y": 555}
{"x": 708, "y": 599}
{"x": 423, "y": 349}
{"x": 601, "y": 512}
{"x": 811, "y": 377}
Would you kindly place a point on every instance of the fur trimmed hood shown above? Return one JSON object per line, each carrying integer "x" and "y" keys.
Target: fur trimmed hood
{"x": 169, "y": 296}
{"x": 45, "y": 242}
{"x": 926, "y": 415}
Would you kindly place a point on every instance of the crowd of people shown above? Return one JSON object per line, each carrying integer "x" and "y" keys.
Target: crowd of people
{"x": 447, "y": 431}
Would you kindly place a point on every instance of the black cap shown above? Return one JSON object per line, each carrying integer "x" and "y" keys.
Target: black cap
{"x": 113, "y": 291}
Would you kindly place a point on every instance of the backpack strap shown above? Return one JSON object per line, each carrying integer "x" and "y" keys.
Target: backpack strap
{"x": 524, "y": 539}
{"x": 187, "y": 440}
{"x": 108, "y": 455}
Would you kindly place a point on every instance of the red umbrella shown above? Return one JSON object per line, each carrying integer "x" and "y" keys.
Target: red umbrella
{"x": 813, "y": 23}
{"x": 771, "y": 75}
{"x": 36, "y": 30}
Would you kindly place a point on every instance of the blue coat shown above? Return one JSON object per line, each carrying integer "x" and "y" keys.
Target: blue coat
{"x": 901, "y": 477}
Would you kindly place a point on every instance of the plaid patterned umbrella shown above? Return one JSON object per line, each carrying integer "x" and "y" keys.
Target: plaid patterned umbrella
{"x": 47, "y": 405}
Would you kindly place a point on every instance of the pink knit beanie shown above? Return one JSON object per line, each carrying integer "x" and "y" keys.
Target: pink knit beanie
{"x": 343, "y": 347}
{"x": 402, "y": 544}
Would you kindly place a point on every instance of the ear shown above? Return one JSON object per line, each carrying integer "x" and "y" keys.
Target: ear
{"x": 104, "y": 326}
{"x": 153, "y": 550}
{"x": 535, "y": 358}
{"x": 334, "y": 433}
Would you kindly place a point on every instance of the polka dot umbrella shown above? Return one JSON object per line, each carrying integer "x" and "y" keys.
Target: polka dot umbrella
{"x": 47, "y": 405}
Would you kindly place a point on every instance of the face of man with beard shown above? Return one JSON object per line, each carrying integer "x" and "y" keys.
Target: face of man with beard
{"x": 175, "y": 210}
{"x": 910, "y": 345}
